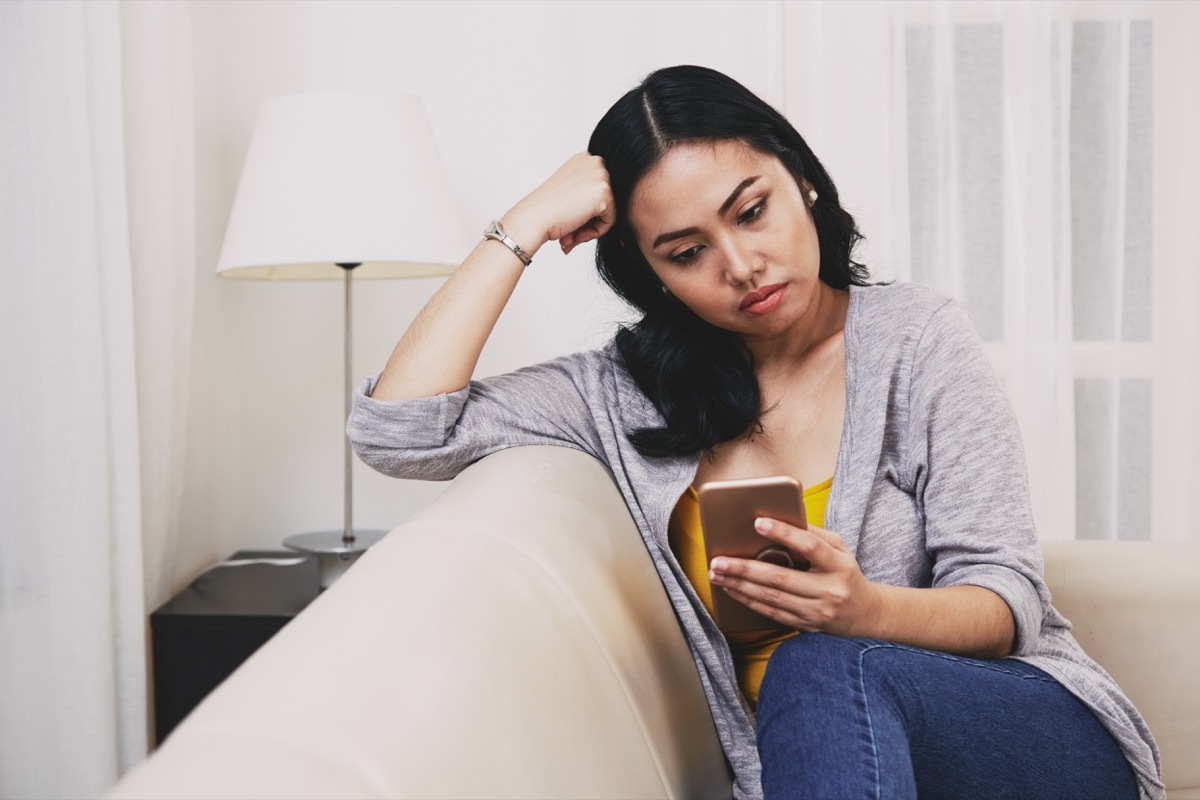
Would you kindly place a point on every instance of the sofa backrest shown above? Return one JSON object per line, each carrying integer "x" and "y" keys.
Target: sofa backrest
{"x": 1135, "y": 608}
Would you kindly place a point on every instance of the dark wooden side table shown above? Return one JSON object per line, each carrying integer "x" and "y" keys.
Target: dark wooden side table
{"x": 205, "y": 632}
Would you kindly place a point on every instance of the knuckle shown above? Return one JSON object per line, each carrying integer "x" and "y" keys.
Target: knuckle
{"x": 833, "y": 604}
{"x": 807, "y": 544}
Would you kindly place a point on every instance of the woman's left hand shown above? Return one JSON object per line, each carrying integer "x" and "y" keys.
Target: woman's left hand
{"x": 832, "y": 596}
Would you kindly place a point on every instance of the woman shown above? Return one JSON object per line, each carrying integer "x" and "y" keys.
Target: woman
{"x": 923, "y": 655}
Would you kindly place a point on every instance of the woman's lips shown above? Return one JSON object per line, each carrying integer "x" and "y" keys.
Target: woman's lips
{"x": 764, "y": 300}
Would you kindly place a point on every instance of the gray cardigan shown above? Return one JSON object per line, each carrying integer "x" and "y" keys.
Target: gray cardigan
{"x": 929, "y": 490}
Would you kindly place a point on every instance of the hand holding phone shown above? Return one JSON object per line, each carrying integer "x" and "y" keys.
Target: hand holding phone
{"x": 727, "y": 513}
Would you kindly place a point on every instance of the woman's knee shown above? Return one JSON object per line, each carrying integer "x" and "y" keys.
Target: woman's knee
{"x": 812, "y": 651}
{"x": 811, "y": 660}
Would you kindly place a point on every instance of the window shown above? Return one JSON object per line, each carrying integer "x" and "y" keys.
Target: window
{"x": 1033, "y": 203}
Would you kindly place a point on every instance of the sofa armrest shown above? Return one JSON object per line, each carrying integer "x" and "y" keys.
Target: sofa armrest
{"x": 1135, "y": 608}
{"x": 511, "y": 640}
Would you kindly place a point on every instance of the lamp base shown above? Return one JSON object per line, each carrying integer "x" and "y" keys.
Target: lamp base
{"x": 334, "y": 556}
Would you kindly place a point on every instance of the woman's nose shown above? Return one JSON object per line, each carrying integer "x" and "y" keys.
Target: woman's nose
{"x": 741, "y": 264}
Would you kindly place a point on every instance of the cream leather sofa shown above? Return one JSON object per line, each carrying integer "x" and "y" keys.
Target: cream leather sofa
{"x": 528, "y": 650}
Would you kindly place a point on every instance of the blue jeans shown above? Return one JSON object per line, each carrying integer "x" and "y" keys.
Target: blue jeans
{"x": 861, "y": 718}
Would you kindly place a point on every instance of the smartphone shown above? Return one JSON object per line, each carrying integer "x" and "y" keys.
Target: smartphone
{"x": 727, "y": 513}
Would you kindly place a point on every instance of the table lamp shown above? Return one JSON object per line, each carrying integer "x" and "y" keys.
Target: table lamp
{"x": 334, "y": 186}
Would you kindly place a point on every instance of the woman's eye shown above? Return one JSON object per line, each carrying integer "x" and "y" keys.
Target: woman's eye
{"x": 686, "y": 256}
{"x": 753, "y": 213}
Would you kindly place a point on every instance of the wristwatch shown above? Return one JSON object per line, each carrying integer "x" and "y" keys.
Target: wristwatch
{"x": 494, "y": 231}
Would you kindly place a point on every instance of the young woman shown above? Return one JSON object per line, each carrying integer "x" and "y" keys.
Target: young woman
{"x": 923, "y": 656}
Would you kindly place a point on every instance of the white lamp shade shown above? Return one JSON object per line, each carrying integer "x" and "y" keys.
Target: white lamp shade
{"x": 332, "y": 178}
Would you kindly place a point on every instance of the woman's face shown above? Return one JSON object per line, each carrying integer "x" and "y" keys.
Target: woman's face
{"x": 726, "y": 229}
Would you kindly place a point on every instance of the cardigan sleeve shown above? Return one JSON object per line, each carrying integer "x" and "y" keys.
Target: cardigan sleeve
{"x": 435, "y": 438}
{"x": 968, "y": 466}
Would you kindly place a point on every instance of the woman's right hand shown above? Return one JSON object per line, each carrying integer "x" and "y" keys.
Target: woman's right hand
{"x": 573, "y": 206}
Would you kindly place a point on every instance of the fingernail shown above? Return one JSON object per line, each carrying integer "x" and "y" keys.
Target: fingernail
{"x": 719, "y": 565}
{"x": 762, "y": 525}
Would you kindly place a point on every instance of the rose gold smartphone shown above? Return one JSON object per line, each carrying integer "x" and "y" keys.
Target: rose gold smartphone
{"x": 727, "y": 513}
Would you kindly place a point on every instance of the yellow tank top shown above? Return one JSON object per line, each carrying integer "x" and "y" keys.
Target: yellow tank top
{"x": 750, "y": 649}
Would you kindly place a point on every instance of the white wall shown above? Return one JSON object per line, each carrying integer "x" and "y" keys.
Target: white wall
{"x": 512, "y": 89}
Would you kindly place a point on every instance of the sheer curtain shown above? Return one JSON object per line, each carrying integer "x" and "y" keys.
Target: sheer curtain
{"x": 96, "y": 222}
{"x": 1025, "y": 158}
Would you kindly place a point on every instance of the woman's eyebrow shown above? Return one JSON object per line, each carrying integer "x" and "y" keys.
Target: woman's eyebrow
{"x": 729, "y": 201}
{"x": 741, "y": 187}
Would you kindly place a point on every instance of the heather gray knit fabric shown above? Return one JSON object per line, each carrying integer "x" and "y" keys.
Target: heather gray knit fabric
{"x": 930, "y": 487}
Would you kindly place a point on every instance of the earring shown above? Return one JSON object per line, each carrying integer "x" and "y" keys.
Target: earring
{"x": 665, "y": 290}
{"x": 812, "y": 197}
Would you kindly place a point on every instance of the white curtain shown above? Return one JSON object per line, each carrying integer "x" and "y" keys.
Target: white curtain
{"x": 1021, "y": 156}
{"x": 96, "y": 223}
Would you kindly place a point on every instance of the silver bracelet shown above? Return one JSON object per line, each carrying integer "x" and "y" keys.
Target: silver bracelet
{"x": 494, "y": 231}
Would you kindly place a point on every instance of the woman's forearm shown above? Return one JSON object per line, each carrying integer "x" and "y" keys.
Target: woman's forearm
{"x": 963, "y": 620}
{"x": 439, "y": 350}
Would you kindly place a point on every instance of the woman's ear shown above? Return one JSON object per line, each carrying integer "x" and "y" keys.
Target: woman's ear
{"x": 810, "y": 194}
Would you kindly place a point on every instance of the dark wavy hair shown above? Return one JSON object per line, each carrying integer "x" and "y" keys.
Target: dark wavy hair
{"x": 700, "y": 377}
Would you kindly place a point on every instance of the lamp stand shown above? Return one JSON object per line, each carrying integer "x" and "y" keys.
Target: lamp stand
{"x": 337, "y": 550}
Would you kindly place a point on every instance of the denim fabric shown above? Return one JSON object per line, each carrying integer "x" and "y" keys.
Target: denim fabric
{"x": 861, "y": 718}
